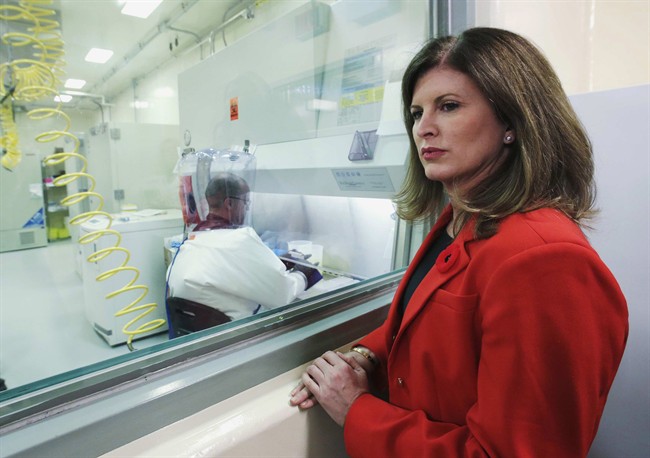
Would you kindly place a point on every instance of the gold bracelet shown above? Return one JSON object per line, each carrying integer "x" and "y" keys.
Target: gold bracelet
{"x": 365, "y": 353}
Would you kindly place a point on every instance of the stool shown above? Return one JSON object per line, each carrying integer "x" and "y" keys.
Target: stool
{"x": 186, "y": 317}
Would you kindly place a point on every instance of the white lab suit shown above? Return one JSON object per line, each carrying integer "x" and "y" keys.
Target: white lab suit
{"x": 233, "y": 271}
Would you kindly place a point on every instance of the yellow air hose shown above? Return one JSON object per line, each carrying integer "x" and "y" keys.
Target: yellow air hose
{"x": 32, "y": 80}
{"x": 9, "y": 139}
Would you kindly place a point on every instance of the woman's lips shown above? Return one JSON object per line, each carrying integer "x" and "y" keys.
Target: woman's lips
{"x": 430, "y": 153}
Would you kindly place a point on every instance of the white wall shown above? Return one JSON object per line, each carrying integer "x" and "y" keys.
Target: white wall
{"x": 593, "y": 45}
{"x": 620, "y": 235}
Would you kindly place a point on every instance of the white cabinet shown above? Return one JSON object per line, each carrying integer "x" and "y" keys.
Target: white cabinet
{"x": 21, "y": 206}
{"x": 142, "y": 234}
{"x": 133, "y": 164}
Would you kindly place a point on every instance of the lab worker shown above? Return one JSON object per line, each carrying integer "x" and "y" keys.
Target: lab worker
{"x": 226, "y": 266}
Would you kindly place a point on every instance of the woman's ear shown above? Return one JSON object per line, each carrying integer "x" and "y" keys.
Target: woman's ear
{"x": 509, "y": 136}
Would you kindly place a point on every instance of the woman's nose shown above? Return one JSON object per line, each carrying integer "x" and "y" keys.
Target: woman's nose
{"x": 427, "y": 126}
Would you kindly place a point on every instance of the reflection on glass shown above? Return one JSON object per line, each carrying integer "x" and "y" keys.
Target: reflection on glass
{"x": 56, "y": 317}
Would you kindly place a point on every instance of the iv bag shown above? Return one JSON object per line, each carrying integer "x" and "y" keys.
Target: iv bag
{"x": 198, "y": 168}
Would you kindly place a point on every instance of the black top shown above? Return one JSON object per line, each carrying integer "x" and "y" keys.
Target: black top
{"x": 427, "y": 262}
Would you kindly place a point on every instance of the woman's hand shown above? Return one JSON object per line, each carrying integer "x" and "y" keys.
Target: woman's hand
{"x": 301, "y": 397}
{"x": 335, "y": 381}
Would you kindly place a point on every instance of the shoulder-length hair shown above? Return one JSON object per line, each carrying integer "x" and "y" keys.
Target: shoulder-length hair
{"x": 550, "y": 163}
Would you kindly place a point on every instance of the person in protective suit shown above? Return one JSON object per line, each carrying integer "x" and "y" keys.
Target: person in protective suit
{"x": 225, "y": 265}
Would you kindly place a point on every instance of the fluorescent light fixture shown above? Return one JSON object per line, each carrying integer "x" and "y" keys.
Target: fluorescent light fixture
{"x": 322, "y": 105}
{"x": 140, "y": 104}
{"x": 140, "y": 8}
{"x": 98, "y": 55}
{"x": 63, "y": 98}
{"x": 72, "y": 83}
{"x": 164, "y": 92}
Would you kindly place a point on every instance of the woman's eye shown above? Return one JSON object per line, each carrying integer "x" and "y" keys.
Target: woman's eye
{"x": 449, "y": 106}
{"x": 417, "y": 114}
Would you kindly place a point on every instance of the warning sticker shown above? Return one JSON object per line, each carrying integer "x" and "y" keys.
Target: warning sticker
{"x": 234, "y": 109}
{"x": 37, "y": 220}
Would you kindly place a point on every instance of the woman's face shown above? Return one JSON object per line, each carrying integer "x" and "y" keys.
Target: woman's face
{"x": 459, "y": 138}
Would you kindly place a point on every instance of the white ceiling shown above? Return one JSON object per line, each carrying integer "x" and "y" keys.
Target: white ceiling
{"x": 139, "y": 45}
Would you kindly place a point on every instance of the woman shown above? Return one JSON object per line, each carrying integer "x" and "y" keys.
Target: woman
{"x": 506, "y": 332}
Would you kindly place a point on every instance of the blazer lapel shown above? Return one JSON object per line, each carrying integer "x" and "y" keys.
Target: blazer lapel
{"x": 451, "y": 261}
{"x": 440, "y": 224}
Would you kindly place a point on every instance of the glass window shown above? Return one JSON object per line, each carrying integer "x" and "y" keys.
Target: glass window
{"x": 307, "y": 87}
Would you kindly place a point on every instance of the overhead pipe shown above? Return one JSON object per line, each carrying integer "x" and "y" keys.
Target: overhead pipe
{"x": 178, "y": 12}
{"x": 245, "y": 12}
{"x": 195, "y": 35}
{"x": 87, "y": 94}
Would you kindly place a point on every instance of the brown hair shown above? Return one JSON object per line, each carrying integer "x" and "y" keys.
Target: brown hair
{"x": 550, "y": 163}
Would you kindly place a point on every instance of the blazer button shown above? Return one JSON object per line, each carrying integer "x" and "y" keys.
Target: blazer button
{"x": 447, "y": 258}
{"x": 400, "y": 382}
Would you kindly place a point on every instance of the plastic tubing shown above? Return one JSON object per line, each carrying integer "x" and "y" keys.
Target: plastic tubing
{"x": 9, "y": 141}
{"x": 34, "y": 79}
{"x": 141, "y": 310}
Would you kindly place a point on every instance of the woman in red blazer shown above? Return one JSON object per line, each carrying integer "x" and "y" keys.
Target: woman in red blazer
{"x": 506, "y": 332}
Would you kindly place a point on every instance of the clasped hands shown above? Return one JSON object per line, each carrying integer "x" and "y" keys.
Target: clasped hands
{"x": 335, "y": 381}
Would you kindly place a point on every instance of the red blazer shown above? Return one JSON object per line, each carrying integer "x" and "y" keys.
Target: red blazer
{"x": 507, "y": 348}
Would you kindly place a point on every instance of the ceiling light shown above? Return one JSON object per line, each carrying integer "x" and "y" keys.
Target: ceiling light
{"x": 164, "y": 92}
{"x": 98, "y": 55}
{"x": 140, "y": 104}
{"x": 63, "y": 98}
{"x": 72, "y": 83}
{"x": 322, "y": 105}
{"x": 140, "y": 8}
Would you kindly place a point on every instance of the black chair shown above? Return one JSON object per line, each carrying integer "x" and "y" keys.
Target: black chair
{"x": 187, "y": 316}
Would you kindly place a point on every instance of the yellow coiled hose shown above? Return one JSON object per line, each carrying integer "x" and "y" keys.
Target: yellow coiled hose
{"x": 32, "y": 80}
{"x": 142, "y": 310}
{"x": 9, "y": 139}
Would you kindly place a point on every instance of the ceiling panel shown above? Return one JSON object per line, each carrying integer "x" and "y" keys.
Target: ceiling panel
{"x": 139, "y": 45}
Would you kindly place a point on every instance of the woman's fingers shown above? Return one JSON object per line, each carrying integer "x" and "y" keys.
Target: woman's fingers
{"x": 308, "y": 404}
{"x": 323, "y": 372}
{"x": 316, "y": 370}
{"x": 332, "y": 358}
{"x": 298, "y": 387}
{"x": 303, "y": 399}
{"x": 352, "y": 361}
{"x": 300, "y": 396}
